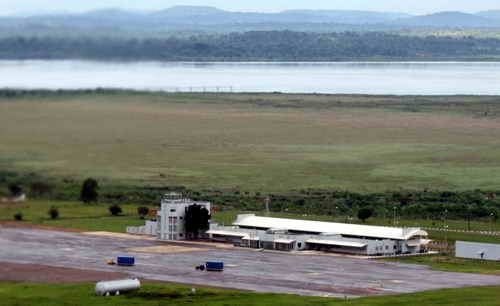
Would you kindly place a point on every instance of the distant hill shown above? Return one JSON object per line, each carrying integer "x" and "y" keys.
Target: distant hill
{"x": 349, "y": 17}
{"x": 493, "y": 14}
{"x": 189, "y": 20}
{"x": 188, "y": 10}
{"x": 447, "y": 20}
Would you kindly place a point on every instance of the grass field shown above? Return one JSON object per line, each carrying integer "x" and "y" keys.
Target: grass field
{"x": 265, "y": 142}
{"x": 95, "y": 217}
{"x": 167, "y": 294}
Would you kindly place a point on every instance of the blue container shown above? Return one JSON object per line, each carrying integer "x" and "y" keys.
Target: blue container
{"x": 215, "y": 266}
{"x": 126, "y": 261}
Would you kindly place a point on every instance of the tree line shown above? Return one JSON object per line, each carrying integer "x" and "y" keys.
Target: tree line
{"x": 423, "y": 204}
{"x": 254, "y": 45}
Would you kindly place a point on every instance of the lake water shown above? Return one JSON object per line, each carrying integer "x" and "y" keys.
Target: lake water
{"x": 355, "y": 78}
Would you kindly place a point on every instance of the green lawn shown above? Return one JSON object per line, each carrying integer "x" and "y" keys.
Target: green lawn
{"x": 92, "y": 217}
{"x": 452, "y": 237}
{"x": 166, "y": 294}
{"x": 261, "y": 142}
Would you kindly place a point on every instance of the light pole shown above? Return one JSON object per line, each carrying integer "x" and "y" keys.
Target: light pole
{"x": 446, "y": 238}
{"x": 491, "y": 222}
{"x": 468, "y": 219}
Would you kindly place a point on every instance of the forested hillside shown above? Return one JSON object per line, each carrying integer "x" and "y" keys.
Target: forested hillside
{"x": 271, "y": 45}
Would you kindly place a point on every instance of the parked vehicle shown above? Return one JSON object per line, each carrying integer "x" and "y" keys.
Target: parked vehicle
{"x": 106, "y": 288}
{"x": 215, "y": 266}
{"x": 126, "y": 261}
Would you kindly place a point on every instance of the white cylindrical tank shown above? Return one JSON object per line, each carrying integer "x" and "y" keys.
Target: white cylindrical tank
{"x": 113, "y": 287}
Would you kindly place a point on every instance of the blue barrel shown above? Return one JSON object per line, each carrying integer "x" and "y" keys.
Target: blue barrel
{"x": 125, "y": 261}
{"x": 215, "y": 266}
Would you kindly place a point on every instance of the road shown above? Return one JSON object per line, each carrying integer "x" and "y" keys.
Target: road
{"x": 246, "y": 269}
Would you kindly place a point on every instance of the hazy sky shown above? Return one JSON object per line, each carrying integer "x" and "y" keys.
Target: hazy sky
{"x": 8, "y": 7}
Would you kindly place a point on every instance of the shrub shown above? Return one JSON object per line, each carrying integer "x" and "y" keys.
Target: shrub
{"x": 365, "y": 213}
{"x": 19, "y": 216}
{"x": 54, "y": 213}
{"x": 15, "y": 190}
{"x": 89, "y": 193}
{"x": 115, "y": 210}
{"x": 143, "y": 211}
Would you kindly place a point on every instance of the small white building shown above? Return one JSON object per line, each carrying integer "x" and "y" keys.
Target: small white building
{"x": 170, "y": 219}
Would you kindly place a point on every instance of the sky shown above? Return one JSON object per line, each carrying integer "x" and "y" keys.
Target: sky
{"x": 9, "y": 7}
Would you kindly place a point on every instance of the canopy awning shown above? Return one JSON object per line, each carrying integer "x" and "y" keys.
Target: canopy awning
{"x": 286, "y": 241}
{"x": 338, "y": 243}
{"x": 255, "y": 238}
{"x": 227, "y": 233}
{"x": 418, "y": 243}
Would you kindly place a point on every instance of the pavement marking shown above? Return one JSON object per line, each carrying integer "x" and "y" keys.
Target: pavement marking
{"x": 170, "y": 249}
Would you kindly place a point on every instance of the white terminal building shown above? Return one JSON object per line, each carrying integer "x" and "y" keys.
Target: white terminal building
{"x": 251, "y": 231}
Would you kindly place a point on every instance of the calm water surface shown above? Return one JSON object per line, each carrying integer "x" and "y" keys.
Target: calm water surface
{"x": 360, "y": 78}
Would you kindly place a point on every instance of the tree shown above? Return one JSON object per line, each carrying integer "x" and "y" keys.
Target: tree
{"x": 143, "y": 211}
{"x": 365, "y": 213}
{"x": 15, "y": 190}
{"x": 89, "y": 191}
{"x": 54, "y": 213}
{"x": 115, "y": 210}
{"x": 196, "y": 220}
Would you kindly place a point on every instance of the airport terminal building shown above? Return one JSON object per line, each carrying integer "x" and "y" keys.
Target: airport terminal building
{"x": 252, "y": 231}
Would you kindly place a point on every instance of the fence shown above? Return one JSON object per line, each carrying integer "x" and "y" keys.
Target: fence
{"x": 193, "y": 89}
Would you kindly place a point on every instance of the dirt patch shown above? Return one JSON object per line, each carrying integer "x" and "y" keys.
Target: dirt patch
{"x": 14, "y": 224}
{"x": 166, "y": 249}
{"x": 10, "y": 272}
{"x": 119, "y": 235}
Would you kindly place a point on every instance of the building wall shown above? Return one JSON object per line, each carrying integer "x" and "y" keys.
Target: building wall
{"x": 475, "y": 250}
{"x": 151, "y": 228}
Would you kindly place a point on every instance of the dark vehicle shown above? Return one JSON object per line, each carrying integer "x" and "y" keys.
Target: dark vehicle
{"x": 126, "y": 261}
{"x": 215, "y": 266}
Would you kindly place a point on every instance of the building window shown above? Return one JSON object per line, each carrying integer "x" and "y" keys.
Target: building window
{"x": 172, "y": 210}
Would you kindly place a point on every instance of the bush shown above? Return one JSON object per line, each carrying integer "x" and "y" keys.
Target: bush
{"x": 143, "y": 211}
{"x": 89, "y": 193}
{"x": 54, "y": 213}
{"x": 15, "y": 190}
{"x": 19, "y": 216}
{"x": 115, "y": 210}
{"x": 365, "y": 213}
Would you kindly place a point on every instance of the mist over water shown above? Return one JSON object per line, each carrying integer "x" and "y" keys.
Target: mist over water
{"x": 437, "y": 78}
